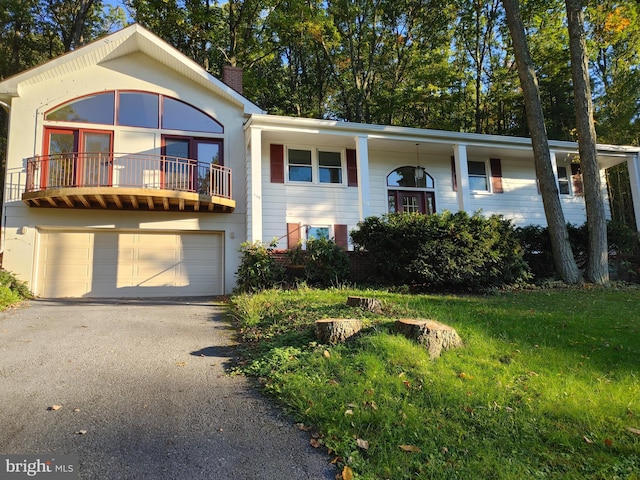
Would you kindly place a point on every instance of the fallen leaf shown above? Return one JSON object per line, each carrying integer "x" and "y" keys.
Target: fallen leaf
{"x": 181, "y": 364}
{"x": 363, "y": 444}
{"x": 347, "y": 473}
{"x": 348, "y": 412}
{"x": 81, "y": 432}
{"x": 333, "y": 382}
{"x": 76, "y": 410}
{"x": 410, "y": 448}
{"x": 635, "y": 431}
{"x": 608, "y": 442}
{"x": 587, "y": 439}
{"x": 54, "y": 407}
{"x": 314, "y": 443}
{"x": 327, "y": 354}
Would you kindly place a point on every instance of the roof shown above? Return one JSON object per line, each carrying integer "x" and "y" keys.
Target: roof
{"x": 131, "y": 39}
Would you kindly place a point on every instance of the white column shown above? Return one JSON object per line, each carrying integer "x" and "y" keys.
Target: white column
{"x": 254, "y": 184}
{"x": 462, "y": 176}
{"x": 362, "y": 160}
{"x": 634, "y": 176}
{"x": 554, "y": 167}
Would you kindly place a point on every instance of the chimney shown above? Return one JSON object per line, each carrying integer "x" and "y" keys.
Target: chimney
{"x": 232, "y": 76}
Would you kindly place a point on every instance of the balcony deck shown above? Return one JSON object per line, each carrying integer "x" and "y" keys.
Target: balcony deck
{"x": 127, "y": 182}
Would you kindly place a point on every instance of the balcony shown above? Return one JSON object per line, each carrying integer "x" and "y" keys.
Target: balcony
{"x": 125, "y": 181}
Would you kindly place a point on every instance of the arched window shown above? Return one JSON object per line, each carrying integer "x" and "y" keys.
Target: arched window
{"x": 135, "y": 109}
{"x": 411, "y": 189}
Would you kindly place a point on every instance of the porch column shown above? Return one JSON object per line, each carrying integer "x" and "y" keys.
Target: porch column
{"x": 462, "y": 176}
{"x": 253, "y": 139}
{"x": 362, "y": 159}
{"x": 554, "y": 166}
{"x": 634, "y": 176}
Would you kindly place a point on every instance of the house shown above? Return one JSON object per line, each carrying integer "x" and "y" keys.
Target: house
{"x": 132, "y": 172}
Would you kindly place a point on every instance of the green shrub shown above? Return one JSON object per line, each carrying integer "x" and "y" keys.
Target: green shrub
{"x": 325, "y": 262}
{"x": 258, "y": 268}
{"x": 12, "y": 290}
{"x": 623, "y": 242}
{"x": 443, "y": 251}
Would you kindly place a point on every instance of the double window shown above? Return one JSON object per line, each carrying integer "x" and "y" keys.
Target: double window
{"x": 315, "y": 166}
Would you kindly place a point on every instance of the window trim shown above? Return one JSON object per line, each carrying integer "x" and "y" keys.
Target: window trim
{"x": 564, "y": 180}
{"x": 315, "y": 166}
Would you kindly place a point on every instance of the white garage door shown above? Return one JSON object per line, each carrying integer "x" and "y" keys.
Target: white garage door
{"x": 129, "y": 264}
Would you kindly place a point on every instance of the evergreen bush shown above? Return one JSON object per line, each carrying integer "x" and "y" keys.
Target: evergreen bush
{"x": 443, "y": 251}
{"x": 258, "y": 269}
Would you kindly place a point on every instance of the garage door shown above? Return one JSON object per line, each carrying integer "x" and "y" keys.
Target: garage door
{"x": 129, "y": 264}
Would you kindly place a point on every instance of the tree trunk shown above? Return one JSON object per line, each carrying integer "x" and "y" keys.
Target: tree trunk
{"x": 369, "y": 304}
{"x": 565, "y": 263}
{"x": 597, "y": 269}
{"x": 434, "y": 336}
{"x": 337, "y": 330}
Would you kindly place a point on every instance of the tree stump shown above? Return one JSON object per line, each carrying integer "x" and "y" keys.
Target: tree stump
{"x": 337, "y": 330}
{"x": 369, "y": 304}
{"x": 435, "y": 336}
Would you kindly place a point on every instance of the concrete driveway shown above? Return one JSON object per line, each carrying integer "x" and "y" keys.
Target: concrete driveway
{"x": 143, "y": 394}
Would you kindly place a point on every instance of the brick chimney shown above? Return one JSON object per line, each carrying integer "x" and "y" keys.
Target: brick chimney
{"x": 232, "y": 76}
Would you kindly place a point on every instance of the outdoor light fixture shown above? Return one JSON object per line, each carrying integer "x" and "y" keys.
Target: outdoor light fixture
{"x": 419, "y": 171}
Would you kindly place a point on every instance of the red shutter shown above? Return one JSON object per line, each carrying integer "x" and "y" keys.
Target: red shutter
{"x": 352, "y": 168}
{"x": 277, "y": 163}
{"x": 293, "y": 235}
{"x": 496, "y": 175}
{"x": 576, "y": 179}
{"x": 454, "y": 180}
{"x": 341, "y": 236}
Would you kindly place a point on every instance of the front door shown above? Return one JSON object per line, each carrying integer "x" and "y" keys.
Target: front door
{"x": 409, "y": 201}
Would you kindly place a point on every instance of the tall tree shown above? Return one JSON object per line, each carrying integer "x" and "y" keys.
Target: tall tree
{"x": 564, "y": 260}
{"x": 597, "y": 269}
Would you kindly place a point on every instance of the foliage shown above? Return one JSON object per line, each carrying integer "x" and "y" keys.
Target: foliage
{"x": 443, "y": 251}
{"x": 539, "y": 390}
{"x": 326, "y": 263}
{"x": 12, "y": 290}
{"x": 258, "y": 268}
{"x": 623, "y": 242}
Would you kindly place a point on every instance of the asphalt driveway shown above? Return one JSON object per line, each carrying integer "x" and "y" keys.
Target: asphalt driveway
{"x": 143, "y": 394}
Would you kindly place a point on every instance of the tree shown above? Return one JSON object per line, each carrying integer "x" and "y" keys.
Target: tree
{"x": 597, "y": 269}
{"x": 564, "y": 261}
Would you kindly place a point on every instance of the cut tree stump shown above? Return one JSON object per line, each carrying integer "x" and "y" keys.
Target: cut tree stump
{"x": 435, "y": 336}
{"x": 369, "y": 304}
{"x": 337, "y": 330}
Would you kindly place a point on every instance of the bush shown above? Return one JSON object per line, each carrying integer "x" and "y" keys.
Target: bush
{"x": 12, "y": 290}
{"x": 258, "y": 268}
{"x": 623, "y": 242}
{"x": 325, "y": 263}
{"x": 443, "y": 251}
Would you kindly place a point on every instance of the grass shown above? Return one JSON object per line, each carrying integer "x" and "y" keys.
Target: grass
{"x": 546, "y": 386}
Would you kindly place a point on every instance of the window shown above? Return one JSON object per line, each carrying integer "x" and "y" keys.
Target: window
{"x": 315, "y": 166}
{"x": 300, "y": 169}
{"x": 317, "y": 233}
{"x": 330, "y": 167}
{"x": 136, "y": 109}
{"x": 478, "y": 180}
{"x": 563, "y": 181}
{"x": 97, "y": 108}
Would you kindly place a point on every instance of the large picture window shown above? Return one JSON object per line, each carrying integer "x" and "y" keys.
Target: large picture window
{"x": 411, "y": 190}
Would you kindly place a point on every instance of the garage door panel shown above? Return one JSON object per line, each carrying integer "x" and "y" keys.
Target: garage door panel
{"x": 129, "y": 264}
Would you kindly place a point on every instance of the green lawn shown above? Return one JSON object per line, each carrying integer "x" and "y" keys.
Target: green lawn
{"x": 547, "y": 385}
